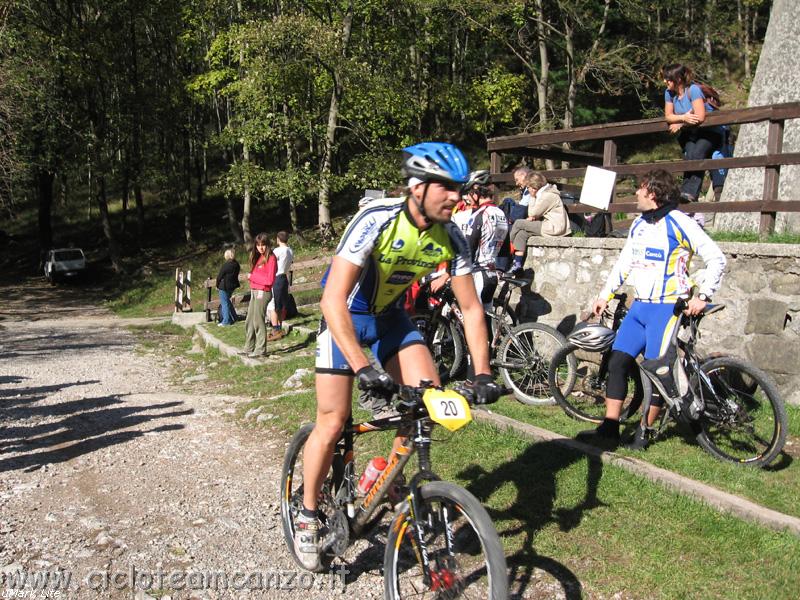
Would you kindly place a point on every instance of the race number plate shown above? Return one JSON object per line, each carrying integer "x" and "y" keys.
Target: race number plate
{"x": 447, "y": 408}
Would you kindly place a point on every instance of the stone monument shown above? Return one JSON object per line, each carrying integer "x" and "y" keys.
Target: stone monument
{"x": 777, "y": 80}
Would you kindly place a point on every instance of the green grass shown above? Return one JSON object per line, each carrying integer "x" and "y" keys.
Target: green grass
{"x": 752, "y": 236}
{"x": 566, "y": 520}
{"x": 777, "y": 487}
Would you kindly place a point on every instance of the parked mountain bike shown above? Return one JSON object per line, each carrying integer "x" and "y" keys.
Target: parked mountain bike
{"x": 521, "y": 353}
{"x": 733, "y": 408}
{"x": 442, "y": 326}
{"x": 580, "y": 388}
{"x": 441, "y": 542}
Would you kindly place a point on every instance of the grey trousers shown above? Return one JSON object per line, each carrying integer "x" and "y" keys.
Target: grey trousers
{"x": 522, "y": 230}
{"x": 255, "y": 326}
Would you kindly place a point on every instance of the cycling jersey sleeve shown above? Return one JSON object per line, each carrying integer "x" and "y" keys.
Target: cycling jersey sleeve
{"x": 698, "y": 242}
{"x": 474, "y": 239}
{"x": 462, "y": 262}
{"x": 622, "y": 268}
{"x": 360, "y": 237}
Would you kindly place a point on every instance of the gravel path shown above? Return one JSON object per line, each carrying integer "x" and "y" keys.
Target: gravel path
{"x": 106, "y": 472}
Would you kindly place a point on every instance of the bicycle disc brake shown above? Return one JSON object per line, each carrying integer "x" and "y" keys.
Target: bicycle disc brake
{"x": 338, "y": 537}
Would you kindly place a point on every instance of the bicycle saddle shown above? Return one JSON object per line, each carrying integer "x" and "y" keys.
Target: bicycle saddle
{"x": 517, "y": 281}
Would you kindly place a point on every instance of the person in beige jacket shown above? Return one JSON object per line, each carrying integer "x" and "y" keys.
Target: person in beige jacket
{"x": 547, "y": 217}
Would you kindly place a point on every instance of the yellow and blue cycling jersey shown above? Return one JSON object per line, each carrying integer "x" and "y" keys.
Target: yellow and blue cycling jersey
{"x": 393, "y": 253}
{"x": 656, "y": 257}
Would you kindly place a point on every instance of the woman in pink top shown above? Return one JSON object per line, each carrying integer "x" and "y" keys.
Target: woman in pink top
{"x": 263, "y": 267}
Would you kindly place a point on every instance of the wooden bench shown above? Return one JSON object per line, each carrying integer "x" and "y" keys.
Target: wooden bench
{"x": 303, "y": 283}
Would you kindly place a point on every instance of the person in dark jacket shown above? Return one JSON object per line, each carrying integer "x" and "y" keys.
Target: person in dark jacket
{"x": 227, "y": 281}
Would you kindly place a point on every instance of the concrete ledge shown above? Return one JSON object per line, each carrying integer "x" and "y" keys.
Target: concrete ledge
{"x": 188, "y": 319}
{"x": 722, "y": 501}
{"x": 226, "y": 349}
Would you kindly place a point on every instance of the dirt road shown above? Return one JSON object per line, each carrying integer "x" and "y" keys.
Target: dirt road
{"x": 125, "y": 485}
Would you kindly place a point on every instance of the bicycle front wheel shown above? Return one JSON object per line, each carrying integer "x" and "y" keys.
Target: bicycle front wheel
{"x": 744, "y": 420}
{"x": 579, "y": 385}
{"x": 464, "y": 556}
{"x": 292, "y": 491}
{"x": 523, "y": 360}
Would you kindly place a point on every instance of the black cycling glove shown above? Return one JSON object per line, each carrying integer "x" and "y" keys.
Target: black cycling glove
{"x": 486, "y": 390}
{"x": 372, "y": 380}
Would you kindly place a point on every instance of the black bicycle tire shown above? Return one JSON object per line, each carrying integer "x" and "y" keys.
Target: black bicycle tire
{"x": 561, "y": 393}
{"x": 478, "y": 518}
{"x": 775, "y": 446}
{"x": 541, "y": 371}
{"x": 459, "y": 348}
{"x": 294, "y": 449}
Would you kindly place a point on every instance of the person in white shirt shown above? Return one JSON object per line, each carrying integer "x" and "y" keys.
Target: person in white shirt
{"x": 280, "y": 289}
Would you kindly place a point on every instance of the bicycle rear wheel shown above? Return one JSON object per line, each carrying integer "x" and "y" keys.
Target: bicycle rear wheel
{"x": 523, "y": 360}
{"x": 464, "y": 553}
{"x": 744, "y": 420}
{"x": 292, "y": 491}
{"x": 580, "y": 390}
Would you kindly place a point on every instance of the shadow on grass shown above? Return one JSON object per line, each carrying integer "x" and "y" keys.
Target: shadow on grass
{"x": 533, "y": 474}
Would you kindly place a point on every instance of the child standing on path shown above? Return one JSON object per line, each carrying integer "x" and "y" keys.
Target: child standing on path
{"x": 227, "y": 281}
{"x": 280, "y": 290}
{"x": 263, "y": 266}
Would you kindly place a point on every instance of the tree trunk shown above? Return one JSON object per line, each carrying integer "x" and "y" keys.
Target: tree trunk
{"x": 126, "y": 191}
{"x": 108, "y": 231}
{"x": 44, "y": 190}
{"x": 248, "y": 238}
{"x": 233, "y": 223}
{"x": 137, "y": 193}
{"x": 325, "y": 224}
{"x": 572, "y": 86}
{"x": 544, "y": 75}
{"x": 187, "y": 190}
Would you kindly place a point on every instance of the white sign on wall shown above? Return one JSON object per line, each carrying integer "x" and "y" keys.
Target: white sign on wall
{"x": 598, "y": 186}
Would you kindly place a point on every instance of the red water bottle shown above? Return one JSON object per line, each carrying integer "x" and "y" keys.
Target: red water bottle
{"x": 371, "y": 474}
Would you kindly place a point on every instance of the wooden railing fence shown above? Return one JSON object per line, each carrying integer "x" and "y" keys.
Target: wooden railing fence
{"x": 549, "y": 144}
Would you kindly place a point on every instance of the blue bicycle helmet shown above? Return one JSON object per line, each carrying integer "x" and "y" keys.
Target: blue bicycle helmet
{"x": 435, "y": 161}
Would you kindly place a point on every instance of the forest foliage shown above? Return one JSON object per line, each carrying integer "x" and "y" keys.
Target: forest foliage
{"x": 296, "y": 104}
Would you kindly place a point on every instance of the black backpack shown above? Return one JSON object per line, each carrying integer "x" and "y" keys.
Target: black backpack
{"x": 598, "y": 224}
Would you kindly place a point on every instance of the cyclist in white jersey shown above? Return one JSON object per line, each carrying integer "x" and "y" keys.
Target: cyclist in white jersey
{"x": 655, "y": 262}
{"x": 485, "y": 228}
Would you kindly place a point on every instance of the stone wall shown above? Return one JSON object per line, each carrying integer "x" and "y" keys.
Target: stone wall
{"x": 761, "y": 289}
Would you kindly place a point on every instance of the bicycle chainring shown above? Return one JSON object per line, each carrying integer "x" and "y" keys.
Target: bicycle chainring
{"x": 338, "y": 537}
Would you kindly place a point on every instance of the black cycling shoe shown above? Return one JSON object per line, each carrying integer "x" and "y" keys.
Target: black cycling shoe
{"x": 606, "y": 434}
{"x": 640, "y": 440}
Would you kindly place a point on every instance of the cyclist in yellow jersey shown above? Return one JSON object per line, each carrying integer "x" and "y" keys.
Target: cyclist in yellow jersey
{"x": 386, "y": 247}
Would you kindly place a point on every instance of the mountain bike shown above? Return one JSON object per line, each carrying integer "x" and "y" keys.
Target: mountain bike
{"x": 733, "y": 408}
{"x": 521, "y": 353}
{"x": 441, "y": 542}
{"x": 580, "y": 389}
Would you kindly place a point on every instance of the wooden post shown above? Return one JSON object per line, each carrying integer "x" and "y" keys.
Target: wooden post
{"x": 187, "y": 299}
{"x": 495, "y": 163}
{"x": 208, "y": 285}
{"x": 771, "y": 177}
{"x": 179, "y": 301}
{"x": 177, "y": 290}
{"x": 610, "y": 160}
